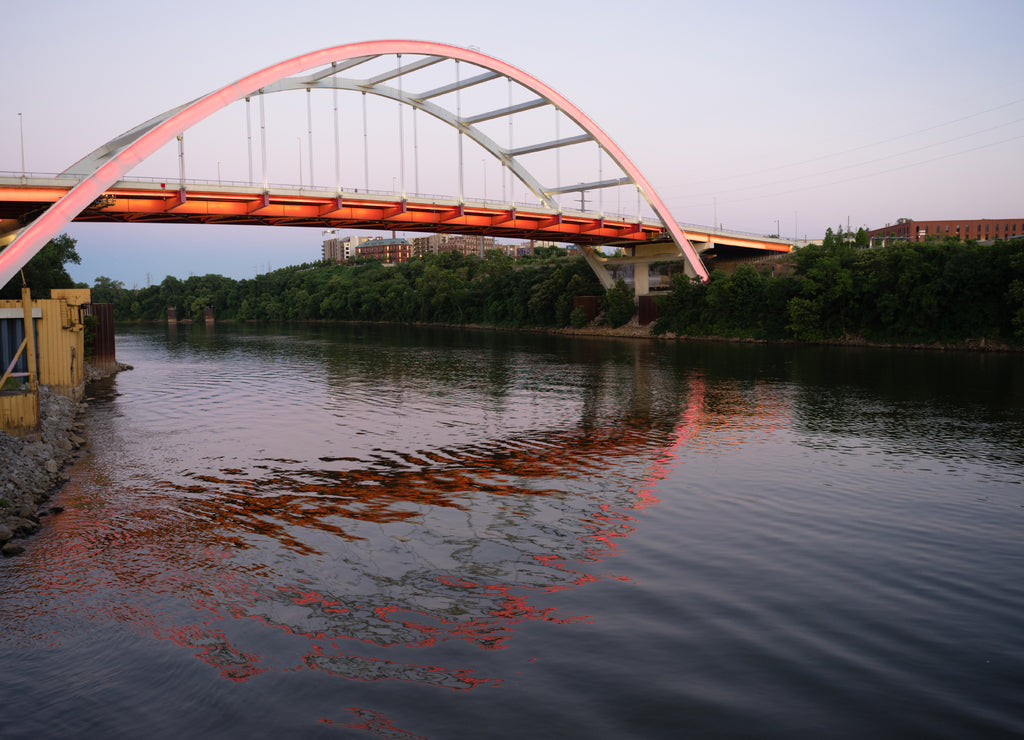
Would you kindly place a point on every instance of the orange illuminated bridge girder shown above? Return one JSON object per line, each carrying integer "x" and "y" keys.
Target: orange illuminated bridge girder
{"x": 128, "y": 202}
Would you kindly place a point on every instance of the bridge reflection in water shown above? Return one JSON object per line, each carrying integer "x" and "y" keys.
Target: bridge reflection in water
{"x": 350, "y": 560}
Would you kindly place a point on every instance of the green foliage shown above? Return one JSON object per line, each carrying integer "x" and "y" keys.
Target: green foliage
{"x": 107, "y": 290}
{"x": 619, "y": 305}
{"x": 578, "y": 318}
{"x": 445, "y": 288}
{"x": 747, "y": 303}
{"x": 827, "y": 297}
{"x": 911, "y": 292}
{"x": 1015, "y": 296}
{"x": 682, "y": 310}
{"x": 46, "y": 270}
{"x": 90, "y": 324}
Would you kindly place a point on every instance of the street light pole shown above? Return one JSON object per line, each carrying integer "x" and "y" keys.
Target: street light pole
{"x": 21, "y": 128}
{"x": 218, "y": 174}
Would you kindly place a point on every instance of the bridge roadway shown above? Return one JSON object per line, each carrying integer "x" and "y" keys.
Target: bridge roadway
{"x": 152, "y": 201}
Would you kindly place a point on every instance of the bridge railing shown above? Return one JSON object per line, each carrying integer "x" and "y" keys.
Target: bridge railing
{"x": 172, "y": 183}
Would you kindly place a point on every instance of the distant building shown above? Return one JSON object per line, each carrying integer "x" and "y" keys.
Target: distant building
{"x": 389, "y": 251}
{"x": 907, "y": 229}
{"x": 440, "y": 243}
{"x": 342, "y": 249}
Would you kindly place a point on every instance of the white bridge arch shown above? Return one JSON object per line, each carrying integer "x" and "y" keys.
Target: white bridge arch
{"x": 323, "y": 69}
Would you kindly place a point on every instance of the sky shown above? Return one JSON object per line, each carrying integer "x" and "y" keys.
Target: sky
{"x": 792, "y": 116}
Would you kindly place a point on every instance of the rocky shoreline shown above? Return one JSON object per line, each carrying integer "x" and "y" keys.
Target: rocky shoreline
{"x": 33, "y": 466}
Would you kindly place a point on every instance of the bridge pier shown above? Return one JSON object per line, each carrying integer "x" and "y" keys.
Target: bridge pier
{"x": 641, "y": 279}
{"x": 641, "y": 259}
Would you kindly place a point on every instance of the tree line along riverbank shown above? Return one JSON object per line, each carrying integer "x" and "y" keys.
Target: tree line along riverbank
{"x": 931, "y": 292}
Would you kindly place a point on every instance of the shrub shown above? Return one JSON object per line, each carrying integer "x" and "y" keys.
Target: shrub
{"x": 619, "y": 305}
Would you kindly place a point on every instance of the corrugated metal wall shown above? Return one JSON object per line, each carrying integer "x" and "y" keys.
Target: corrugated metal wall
{"x": 60, "y": 344}
{"x": 591, "y": 305}
{"x": 648, "y": 309}
{"x": 19, "y": 413}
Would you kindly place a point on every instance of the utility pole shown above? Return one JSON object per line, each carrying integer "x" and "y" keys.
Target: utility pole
{"x": 583, "y": 200}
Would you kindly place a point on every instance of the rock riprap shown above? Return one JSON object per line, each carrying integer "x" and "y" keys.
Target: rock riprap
{"x": 32, "y": 467}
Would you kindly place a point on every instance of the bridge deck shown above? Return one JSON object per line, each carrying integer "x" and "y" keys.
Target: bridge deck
{"x": 140, "y": 201}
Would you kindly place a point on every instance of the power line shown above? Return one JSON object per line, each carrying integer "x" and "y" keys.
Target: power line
{"x": 851, "y": 150}
{"x": 872, "y": 161}
{"x": 876, "y": 174}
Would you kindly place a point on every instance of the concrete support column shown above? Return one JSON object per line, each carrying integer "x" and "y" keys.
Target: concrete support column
{"x": 641, "y": 279}
{"x": 598, "y": 267}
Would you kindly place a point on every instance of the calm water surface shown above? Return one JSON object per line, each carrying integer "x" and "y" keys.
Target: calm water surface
{"x": 386, "y": 532}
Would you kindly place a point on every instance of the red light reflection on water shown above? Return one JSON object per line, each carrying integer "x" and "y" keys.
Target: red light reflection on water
{"x": 216, "y": 651}
{"x": 375, "y": 723}
{"x": 121, "y": 556}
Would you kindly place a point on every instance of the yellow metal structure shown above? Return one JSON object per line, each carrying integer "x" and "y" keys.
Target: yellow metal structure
{"x": 59, "y": 343}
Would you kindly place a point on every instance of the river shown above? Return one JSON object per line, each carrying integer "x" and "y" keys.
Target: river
{"x": 393, "y": 532}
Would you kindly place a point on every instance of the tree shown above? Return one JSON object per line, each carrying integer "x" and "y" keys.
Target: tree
{"x": 619, "y": 305}
{"x": 106, "y": 290}
{"x": 578, "y": 318}
{"x": 682, "y": 309}
{"x": 827, "y": 293}
{"x": 47, "y": 269}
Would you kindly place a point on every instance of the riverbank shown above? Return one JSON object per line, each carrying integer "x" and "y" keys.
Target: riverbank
{"x": 33, "y": 466}
{"x": 633, "y": 329}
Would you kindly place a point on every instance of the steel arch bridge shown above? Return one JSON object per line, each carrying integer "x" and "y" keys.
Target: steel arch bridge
{"x": 331, "y": 69}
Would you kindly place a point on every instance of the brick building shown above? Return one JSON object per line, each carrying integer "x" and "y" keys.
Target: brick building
{"x": 390, "y": 251}
{"x": 986, "y": 229}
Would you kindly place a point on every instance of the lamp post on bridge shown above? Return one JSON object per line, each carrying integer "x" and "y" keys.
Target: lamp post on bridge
{"x": 218, "y": 174}
{"x": 21, "y": 129}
